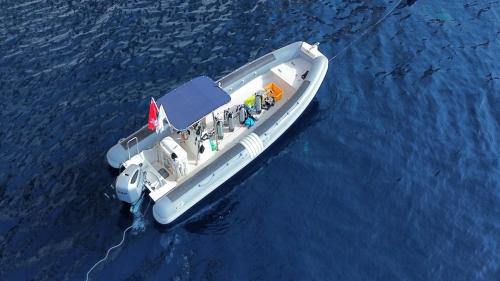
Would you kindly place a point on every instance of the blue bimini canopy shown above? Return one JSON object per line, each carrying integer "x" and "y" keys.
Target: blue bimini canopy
{"x": 191, "y": 101}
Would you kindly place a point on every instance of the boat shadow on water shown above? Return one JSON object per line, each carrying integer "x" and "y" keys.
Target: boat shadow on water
{"x": 204, "y": 217}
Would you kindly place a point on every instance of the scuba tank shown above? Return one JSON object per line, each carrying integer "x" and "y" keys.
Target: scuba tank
{"x": 258, "y": 102}
{"x": 226, "y": 113}
{"x": 243, "y": 115}
{"x": 230, "y": 121}
{"x": 218, "y": 130}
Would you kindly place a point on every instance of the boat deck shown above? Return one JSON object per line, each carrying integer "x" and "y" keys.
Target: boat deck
{"x": 159, "y": 179}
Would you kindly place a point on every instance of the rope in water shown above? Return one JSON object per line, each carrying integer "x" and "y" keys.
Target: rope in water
{"x": 390, "y": 11}
{"x": 115, "y": 246}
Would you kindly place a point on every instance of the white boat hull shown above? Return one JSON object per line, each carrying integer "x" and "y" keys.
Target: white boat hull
{"x": 188, "y": 193}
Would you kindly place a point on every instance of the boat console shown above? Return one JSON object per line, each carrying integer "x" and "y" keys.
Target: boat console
{"x": 174, "y": 157}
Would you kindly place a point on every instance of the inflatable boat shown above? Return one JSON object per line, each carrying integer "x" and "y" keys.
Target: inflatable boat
{"x": 213, "y": 129}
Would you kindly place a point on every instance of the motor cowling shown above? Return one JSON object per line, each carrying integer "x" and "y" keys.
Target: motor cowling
{"x": 129, "y": 184}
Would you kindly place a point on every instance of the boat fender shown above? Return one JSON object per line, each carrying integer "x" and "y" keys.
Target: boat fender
{"x": 202, "y": 149}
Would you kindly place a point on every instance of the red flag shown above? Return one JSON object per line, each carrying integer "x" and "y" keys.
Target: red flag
{"x": 153, "y": 112}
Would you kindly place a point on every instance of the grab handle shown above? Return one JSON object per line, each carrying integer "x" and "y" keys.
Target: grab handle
{"x": 136, "y": 145}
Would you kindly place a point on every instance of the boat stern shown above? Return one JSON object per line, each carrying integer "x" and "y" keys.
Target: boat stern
{"x": 165, "y": 211}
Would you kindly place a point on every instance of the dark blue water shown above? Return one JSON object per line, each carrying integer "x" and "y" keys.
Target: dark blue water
{"x": 392, "y": 173}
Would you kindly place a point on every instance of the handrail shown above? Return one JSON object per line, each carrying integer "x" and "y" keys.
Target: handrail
{"x": 136, "y": 145}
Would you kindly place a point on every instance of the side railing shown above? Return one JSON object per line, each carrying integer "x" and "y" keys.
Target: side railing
{"x": 136, "y": 145}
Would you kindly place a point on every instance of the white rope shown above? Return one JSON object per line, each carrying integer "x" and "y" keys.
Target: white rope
{"x": 115, "y": 246}
{"x": 366, "y": 30}
{"x": 109, "y": 250}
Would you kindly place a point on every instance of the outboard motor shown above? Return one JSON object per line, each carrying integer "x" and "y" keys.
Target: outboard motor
{"x": 129, "y": 184}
